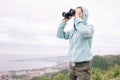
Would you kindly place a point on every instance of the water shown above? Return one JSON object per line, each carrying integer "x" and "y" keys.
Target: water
{"x": 22, "y": 62}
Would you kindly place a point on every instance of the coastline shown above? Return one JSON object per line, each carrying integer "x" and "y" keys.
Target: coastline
{"x": 30, "y": 73}
{"x": 61, "y": 63}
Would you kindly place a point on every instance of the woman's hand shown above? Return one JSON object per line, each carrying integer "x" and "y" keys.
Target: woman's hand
{"x": 67, "y": 19}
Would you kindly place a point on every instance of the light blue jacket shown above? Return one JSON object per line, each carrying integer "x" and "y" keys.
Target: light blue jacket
{"x": 80, "y": 39}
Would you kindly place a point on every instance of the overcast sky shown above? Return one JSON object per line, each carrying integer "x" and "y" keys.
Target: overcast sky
{"x": 29, "y": 26}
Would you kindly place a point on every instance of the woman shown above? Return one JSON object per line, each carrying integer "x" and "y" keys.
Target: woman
{"x": 80, "y": 39}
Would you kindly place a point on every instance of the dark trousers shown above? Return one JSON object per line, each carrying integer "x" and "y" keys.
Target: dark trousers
{"x": 80, "y": 71}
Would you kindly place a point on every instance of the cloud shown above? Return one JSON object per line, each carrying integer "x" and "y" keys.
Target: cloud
{"x": 35, "y": 22}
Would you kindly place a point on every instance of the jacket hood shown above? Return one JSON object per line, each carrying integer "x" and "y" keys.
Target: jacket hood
{"x": 85, "y": 15}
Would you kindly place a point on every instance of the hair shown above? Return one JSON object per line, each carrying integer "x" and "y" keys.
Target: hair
{"x": 80, "y": 8}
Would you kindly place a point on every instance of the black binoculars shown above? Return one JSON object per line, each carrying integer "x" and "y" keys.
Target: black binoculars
{"x": 68, "y": 14}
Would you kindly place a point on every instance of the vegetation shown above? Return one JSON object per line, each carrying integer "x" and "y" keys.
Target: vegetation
{"x": 105, "y": 62}
{"x": 104, "y": 68}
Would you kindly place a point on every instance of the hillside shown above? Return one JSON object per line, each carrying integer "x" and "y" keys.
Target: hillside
{"x": 106, "y": 62}
{"x": 104, "y": 68}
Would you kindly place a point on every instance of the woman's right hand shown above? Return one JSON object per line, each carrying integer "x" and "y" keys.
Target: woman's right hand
{"x": 67, "y": 19}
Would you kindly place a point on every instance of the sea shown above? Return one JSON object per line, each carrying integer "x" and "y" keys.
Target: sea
{"x": 23, "y": 62}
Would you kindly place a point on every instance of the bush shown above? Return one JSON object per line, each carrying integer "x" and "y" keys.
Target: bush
{"x": 59, "y": 76}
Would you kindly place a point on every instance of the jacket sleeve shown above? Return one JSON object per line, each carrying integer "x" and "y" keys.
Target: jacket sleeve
{"x": 85, "y": 30}
{"x": 61, "y": 33}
